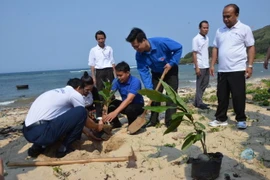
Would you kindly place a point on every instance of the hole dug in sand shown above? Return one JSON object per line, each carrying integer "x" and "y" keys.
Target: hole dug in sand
{"x": 112, "y": 144}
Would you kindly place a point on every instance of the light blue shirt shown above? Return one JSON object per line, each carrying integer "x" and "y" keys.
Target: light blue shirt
{"x": 163, "y": 51}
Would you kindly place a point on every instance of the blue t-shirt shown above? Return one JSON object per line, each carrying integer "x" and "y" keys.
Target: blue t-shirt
{"x": 131, "y": 86}
{"x": 163, "y": 51}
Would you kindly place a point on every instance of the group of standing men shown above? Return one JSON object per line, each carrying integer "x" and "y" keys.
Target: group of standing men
{"x": 66, "y": 116}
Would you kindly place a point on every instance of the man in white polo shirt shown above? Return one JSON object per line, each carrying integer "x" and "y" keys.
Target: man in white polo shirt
{"x": 200, "y": 56}
{"x": 101, "y": 61}
{"x": 56, "y": 113}
{"x": 235, "y": 51}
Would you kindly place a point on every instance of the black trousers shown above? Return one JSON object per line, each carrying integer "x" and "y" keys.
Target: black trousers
{"x": 103, "y": 75}
{"x": 234, "y": 83}
{"x": 132, "y": 111}
{"x": 172, "y": 80}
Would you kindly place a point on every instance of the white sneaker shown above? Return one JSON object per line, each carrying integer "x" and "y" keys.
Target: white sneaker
{"x": 241, "y": 125}
{"x": 217, "y": 123}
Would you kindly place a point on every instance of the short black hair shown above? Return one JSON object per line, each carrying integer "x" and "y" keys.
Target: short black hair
{"x": 88, "y": 80}
{"x": 122, "y": 66}
{"x": 235, "y": 7}
{"x": 100, "y": 33}
{"x": 136, "y": 33}
{"x": 204, "y": 21}
{"x": 75, "y": 83}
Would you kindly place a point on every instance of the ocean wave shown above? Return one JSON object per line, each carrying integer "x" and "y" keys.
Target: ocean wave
{"x": 79, "y": 71}
{"x": 133, "y": 67}
{"x": 192, "y": 81}
{"x": 6, "y": 103}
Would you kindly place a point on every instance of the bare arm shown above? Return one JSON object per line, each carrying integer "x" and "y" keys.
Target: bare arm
{"x": 1, "y": 170}
{"x": 214, "y": 60}
{"x": 93, "y": 72}
{"x": 197, "y": 69}
{"x": 114, "y": 72}
{"x": 251, "y": 56}
{"x": 122, "y": 106}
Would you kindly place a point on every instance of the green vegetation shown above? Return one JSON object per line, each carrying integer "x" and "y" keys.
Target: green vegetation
{"x": 262, "y": 42}
{"x": 170, "y": 145}
{"x": 260, "y": 94}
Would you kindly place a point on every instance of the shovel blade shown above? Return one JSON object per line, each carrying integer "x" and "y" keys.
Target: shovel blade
{"x": 136, "y": 125}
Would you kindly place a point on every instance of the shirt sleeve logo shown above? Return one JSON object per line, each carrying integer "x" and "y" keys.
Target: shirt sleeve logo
{"x": 162, "y": 59}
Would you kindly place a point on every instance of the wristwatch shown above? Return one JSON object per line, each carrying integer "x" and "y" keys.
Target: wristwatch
{"x": 250, "y": 66}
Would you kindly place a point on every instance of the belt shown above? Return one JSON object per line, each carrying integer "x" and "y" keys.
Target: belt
{"x": 37, "y": 124}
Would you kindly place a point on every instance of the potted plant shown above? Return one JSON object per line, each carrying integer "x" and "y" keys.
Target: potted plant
{"x": 207, "y": 165}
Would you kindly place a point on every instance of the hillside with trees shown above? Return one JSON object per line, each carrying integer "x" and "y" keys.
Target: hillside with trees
{"x": 262, "y": 42}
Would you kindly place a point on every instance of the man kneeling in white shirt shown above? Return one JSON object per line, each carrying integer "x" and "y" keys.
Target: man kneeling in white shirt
{"x": 57, "y": 113}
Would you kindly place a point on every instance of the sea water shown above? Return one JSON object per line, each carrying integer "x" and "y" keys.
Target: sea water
{"x": 42, "y": 81}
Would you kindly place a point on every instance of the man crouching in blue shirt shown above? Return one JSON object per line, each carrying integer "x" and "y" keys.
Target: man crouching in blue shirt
{"x": 132, "y": 102}
{"x": 156, "y": 54}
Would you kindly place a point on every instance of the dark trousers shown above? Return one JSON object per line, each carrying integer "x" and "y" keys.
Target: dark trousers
{"x": 103, "y": 75}
{"x": 202, "y": 82}
{"x": 70, "y": 124}
{"x": 96, "y": 105}
{"x": 171, "y": 79}
{"x": 234, "y": 83}
{"x": 132, "y": 111}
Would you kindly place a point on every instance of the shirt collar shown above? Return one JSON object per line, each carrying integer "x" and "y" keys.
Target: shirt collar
{"x": 201, "y": 36}
{"x": 152, "y": 45}
{"x": 234, "y": 26}
{"x": 98, "y": 47}
{"x": 128, "y": 82}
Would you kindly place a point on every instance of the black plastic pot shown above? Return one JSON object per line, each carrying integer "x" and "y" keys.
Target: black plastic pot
{"x": 206, "y": 168}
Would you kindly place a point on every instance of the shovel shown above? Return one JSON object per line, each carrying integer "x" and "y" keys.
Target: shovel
{"x": 140, "y": 121}
{"x": 130, "y": 159}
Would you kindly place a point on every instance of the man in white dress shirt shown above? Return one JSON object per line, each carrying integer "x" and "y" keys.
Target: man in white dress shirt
{"x": 200, "y": 57}
{"x": 235, "y": 51}
{"x": 101, "y": 61}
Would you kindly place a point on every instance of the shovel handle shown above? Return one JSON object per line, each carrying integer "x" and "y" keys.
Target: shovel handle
{"x": 158, "y": 86}
{"x": 57, "y": 163}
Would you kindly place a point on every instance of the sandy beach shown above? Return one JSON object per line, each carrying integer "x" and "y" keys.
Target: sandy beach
{"x": 155, "y": 158}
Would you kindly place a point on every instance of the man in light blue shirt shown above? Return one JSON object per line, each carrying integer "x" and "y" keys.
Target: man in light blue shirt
{"x": 156, "y": 54}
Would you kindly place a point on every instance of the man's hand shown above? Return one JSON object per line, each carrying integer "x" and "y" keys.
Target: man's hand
{"x": 109, "y": 117}
{"x": 212, "y": 71}
{"x": 100, "y": 126}
{"x": 265, "y": 64}
{"x": 198, "y": 71}
{"x": 249, "y": 72}
{"x": 94, "y": 80}
{"x": 167, "y": 67}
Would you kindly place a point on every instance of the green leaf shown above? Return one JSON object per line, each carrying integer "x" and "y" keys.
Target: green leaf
{"x": 198, "y": 137}
{"x": 155, "y": 95}
{"x": 178, "y": 115}
{"x": 188, "y": 142}
{"x": 174, "y": 96}
{"x": 190, "y": 134}
{"x": 158, "y": 109}
{"x": 200, "y": 124}
{"x": 173, "y": 126}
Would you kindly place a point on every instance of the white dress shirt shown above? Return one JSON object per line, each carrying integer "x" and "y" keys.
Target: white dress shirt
{"x": 101, "y": 58}
{"x": 200, "y": 46}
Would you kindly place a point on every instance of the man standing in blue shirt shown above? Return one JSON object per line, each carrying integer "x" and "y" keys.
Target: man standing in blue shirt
{"x": 156, "y": 54}
{"x": 132, "y": 102}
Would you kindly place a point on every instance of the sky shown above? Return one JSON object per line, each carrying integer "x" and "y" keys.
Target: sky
{"x": 50, "y": 35}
